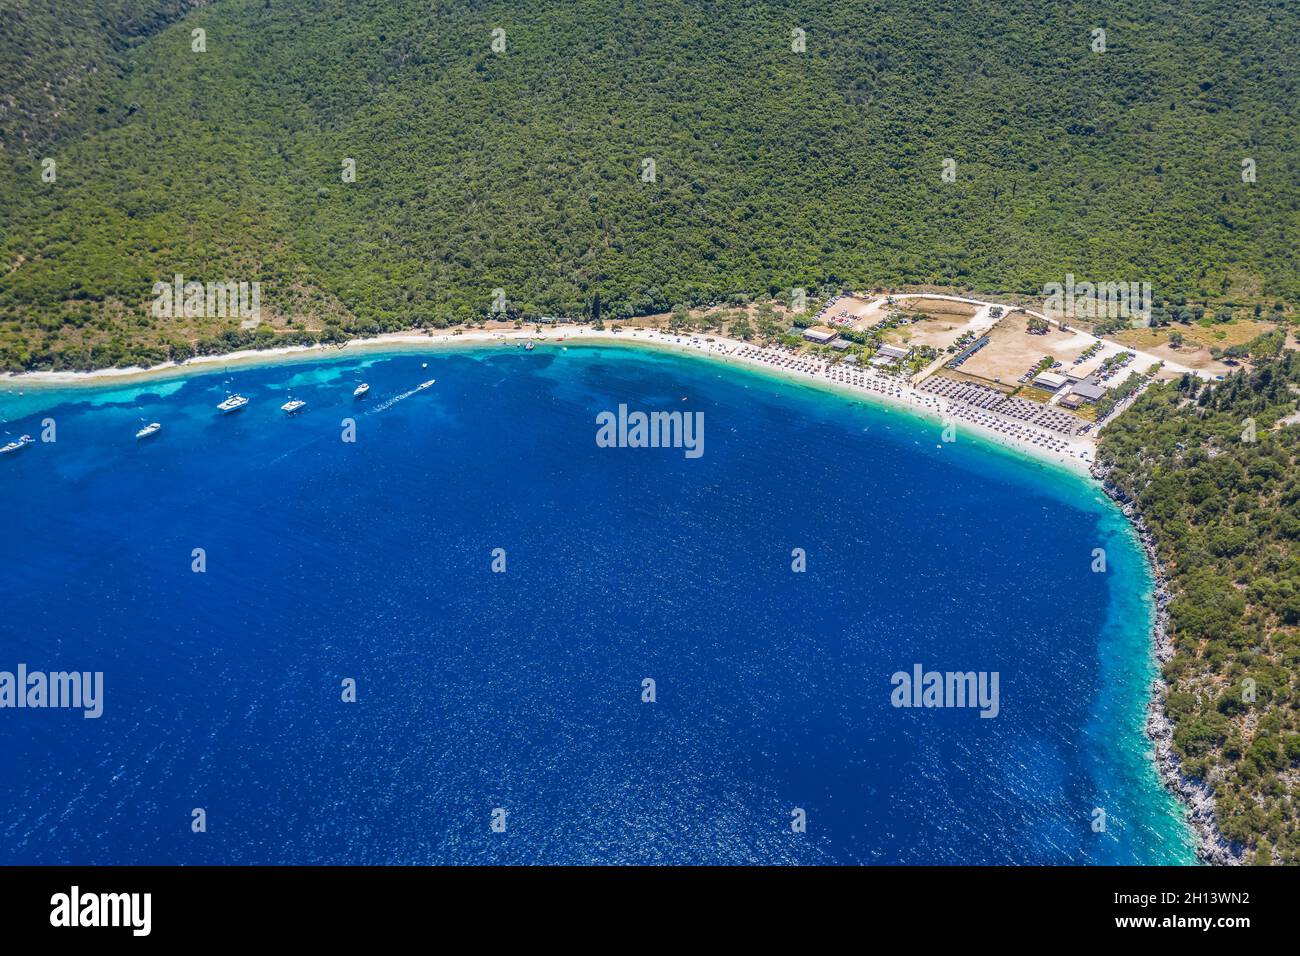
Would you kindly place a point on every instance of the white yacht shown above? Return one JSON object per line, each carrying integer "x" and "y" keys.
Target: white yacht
{"x": 153, "y": 428}
{"x": 428, "y": 383}
{"x": 13, "y": 446}
{"x": 293, "y": 405}
{"x": 232, "y": 404}
{"x": 360, "y": 390}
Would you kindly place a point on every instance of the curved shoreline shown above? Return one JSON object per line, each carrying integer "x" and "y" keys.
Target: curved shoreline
{"x": 717, "y": 347}
{"x": 1196, "y": 796}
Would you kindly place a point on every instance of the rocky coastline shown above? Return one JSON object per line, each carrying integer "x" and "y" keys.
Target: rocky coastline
{"x": 1196, "y": 795}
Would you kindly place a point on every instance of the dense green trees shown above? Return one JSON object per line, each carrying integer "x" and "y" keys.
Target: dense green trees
{"x": 1213, "y": 468}
{"x": 524, "y": 170}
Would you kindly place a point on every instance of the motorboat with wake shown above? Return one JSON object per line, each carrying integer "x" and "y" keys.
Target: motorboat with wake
{"x": 14, "y": 446}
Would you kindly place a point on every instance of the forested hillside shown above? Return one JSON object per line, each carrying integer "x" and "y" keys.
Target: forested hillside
{"x": 522, "y": 169}
{"x": 1213, "y": 469}
{"x": 61, "y": 60}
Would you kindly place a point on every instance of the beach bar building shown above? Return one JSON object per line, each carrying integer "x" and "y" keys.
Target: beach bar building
{"x": 889, "y": 354}
{"x": 820, "y": 334}
{"x": 1050, "y": 381}
{"x": 1089, "y": 391}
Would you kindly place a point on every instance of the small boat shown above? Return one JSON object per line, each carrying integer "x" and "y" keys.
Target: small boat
{"x": 13, "y": 446}
{"x": 360, "y": 390}
{"x": 428, "y": 383}
{"x": 153, "y": 428}
{"x": 529, "y": 347}
{"x": 293, "y": 405}
{"x": 232, "y": 404}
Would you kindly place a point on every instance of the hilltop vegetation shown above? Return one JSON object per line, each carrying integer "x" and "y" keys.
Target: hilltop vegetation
{"x": 1213, "y": 468}
{"x": 61, "y": 61}
{"x": 522, "y": 170}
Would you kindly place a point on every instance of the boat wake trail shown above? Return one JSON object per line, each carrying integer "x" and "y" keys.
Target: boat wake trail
{"x": 390, "y": 402}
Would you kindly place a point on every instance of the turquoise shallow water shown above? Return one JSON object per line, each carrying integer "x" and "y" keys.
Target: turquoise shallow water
{"x": 372, "y": 560}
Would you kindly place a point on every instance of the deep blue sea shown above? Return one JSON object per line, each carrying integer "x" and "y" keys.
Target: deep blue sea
{"x": 372, "y": 561}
